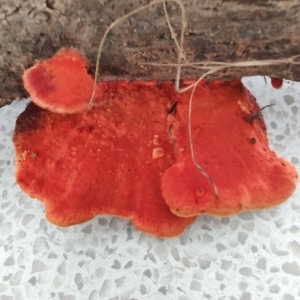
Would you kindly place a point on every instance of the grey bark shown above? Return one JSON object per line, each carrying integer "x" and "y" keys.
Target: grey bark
{"x": 219, "y": 30}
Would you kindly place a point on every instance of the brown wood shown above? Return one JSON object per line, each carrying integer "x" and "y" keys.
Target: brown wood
{"x": 227, "y": 31}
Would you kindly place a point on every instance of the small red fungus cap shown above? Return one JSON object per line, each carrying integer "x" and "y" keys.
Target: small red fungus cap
{"x": 276, "y": 83}
{"x": 230, "y": 144}
{"x": 62, "y": 84}
{"x": 107, "y": 160}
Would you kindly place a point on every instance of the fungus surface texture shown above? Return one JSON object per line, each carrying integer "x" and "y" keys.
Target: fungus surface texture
{"x": 107, "y": 160}
{"x": 231, "y": 145}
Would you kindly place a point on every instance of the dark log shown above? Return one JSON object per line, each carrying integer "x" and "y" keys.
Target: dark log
{"x": 219, "y": 30}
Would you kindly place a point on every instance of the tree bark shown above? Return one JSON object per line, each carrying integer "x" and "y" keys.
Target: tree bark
{"x": 218, "y": 30}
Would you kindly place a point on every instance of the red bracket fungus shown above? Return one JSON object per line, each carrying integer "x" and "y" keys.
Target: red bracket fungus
{"x": 62, "y": 84}
{"x": 230, "y": 143}
{"x": 131, "y": 157}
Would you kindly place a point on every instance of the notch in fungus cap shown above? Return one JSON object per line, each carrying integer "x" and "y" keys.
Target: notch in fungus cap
{"x": 62, "y": 84}
{"x": 107, "y": 160}
{"x": 231, "y": 145}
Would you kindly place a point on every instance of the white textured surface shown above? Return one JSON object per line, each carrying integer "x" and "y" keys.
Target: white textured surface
{"x": 254, "y": 255}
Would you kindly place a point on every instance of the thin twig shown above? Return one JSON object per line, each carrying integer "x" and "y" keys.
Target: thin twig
{"x": 197, "y": 165}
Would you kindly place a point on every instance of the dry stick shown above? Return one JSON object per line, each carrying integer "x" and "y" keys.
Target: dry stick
{"x": 215, "y": 66}
{"x": 247, "y": 63}
{"x": 154, "y": 2}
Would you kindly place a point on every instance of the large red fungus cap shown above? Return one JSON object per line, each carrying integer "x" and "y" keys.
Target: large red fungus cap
{"x": 62, "y": 84}
{"x": 231, "y": 145}
{"x": 107, "y": 160}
